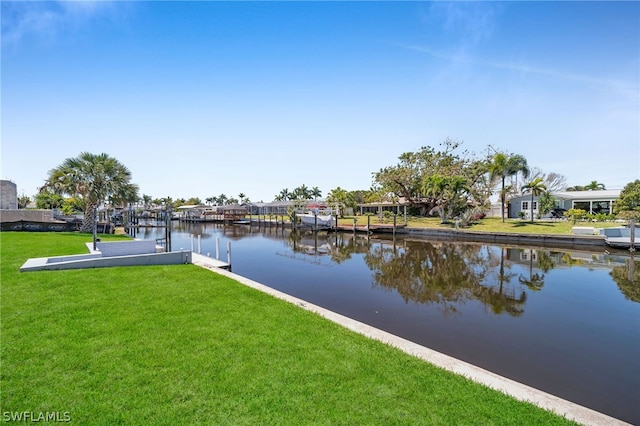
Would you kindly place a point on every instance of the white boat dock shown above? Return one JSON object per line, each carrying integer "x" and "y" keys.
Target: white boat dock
{"x": 209, "y": 262}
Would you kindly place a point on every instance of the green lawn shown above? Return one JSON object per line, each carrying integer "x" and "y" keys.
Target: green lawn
{"x": 562, "y": 227}
{"x": 545, "y": 226}
{"x": 182, "y": 345}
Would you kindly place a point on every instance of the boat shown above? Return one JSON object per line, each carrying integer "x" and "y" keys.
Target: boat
{"x": 620, "y": 237}
{"x": 321, "y": 221}
{"x": 317, "y": 215}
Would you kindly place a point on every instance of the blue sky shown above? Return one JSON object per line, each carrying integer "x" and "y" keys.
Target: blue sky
{"x": 205, "y": 98}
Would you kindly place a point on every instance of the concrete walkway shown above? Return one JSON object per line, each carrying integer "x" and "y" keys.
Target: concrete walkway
{"x": 519, "y": 391}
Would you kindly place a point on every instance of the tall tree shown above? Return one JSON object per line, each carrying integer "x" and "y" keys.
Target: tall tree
{"x": 284, "y": 195}
{"x": 405, "y": 180}
{"x": 448, "y": 192}
{"x": 536, "y": 187}
{"x": 554, "y": 181}
{"x": 316, "y": 193}
{"x": 93, "y": 178}
{"x": 628, "y": 205}
{"x": 340, "y": 197}
{"x": 146, "y": 199}
{"x": 504, "y": 166}
{"x": 302, "y": 193}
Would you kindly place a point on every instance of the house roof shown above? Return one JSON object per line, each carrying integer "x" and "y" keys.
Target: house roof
{"x": 191, "y": 206}
{"x": 607, "y": 194}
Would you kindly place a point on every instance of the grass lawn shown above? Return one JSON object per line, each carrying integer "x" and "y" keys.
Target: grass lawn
{"x": 491, "y": 224}
{"x": 561, "y": 227}
{"x": 182, "y": 345}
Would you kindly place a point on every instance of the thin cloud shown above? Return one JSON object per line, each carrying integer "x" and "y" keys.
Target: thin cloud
{"x": 46, "y": 20}
{"x": 465, "y": 22}
{"x": 528, "y": 69}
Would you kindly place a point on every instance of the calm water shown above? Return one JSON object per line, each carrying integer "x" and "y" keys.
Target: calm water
{"x": 564, "y": 322}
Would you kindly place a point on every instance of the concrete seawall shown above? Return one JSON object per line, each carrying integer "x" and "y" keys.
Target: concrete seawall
{"x": 560, "y": 241}
{"x": 595, "y": 242}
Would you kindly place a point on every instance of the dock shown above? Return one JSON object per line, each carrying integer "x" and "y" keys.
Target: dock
{"x": 209, "y": 262}
{"x": 382, "y": 228}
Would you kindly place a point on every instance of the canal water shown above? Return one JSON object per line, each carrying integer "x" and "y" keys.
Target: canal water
{"x": 565, "y": 322}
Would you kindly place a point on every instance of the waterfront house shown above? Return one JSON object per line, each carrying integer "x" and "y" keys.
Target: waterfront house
{"x": 590, "y": 201}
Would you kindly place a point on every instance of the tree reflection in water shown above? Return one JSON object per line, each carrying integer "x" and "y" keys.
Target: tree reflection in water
{"x": 448, "y": 274}
{"x": 452, "y": 273}
{"x": 628, "y": 279}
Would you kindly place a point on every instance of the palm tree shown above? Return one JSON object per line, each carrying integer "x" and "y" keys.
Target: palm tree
{"x": 594, "y": 186}
{"x": 302, "y": 193}
{"x": 340, "y": 197}
{"x": 504, "y": 166}
{"x": 93, "y": 178}
{"x": 146, "y": 199}
{"x": 284, "y": 195}
{"x": 316, "y": 193}
{"x": 536, "y": 187}
{"x": 126, "y": 194}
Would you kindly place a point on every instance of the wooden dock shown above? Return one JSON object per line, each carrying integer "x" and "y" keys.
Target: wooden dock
{"x": 378, "y": 227}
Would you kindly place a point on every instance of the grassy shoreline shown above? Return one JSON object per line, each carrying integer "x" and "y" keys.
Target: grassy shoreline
{"x": 489, "y": 225}
{"x": 181, "y": 345}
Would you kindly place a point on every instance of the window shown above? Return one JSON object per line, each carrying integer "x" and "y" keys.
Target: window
{"x": 529, "y": 255}
{"x": 583, "y": 205}
{"x": 526, "y": 208}
{"x": 600, "y": 207}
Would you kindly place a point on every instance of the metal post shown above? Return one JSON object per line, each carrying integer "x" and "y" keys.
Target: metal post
{"x": 632, "y": 236}
{"x": 394, "y": 224}
{"x": 95, "y": 227}
{"x": 199, "y": 244}
{"x": 191, "y": 242}
{"x": 229, "y": 253}
{"x": 169, "y": 226}
{"x": 218, "y": 248}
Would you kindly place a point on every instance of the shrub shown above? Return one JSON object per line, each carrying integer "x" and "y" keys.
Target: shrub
{"x": 575, "y": 214}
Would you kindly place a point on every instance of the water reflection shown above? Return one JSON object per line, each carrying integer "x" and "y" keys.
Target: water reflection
{"x": 628, "y": 279}
{"x": 450, "y": 274}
